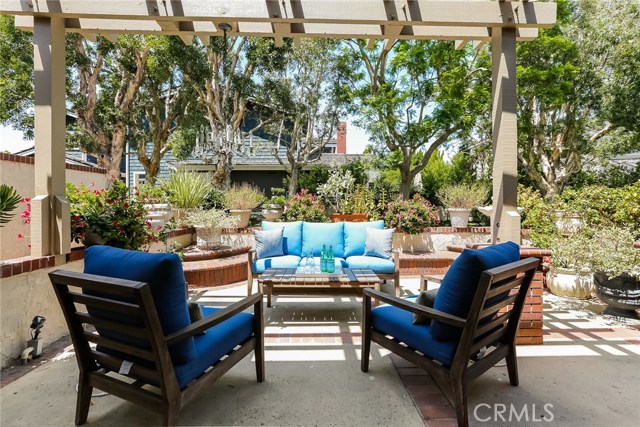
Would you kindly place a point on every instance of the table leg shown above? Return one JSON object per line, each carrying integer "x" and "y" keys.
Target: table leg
{"x": 268, "y": 286}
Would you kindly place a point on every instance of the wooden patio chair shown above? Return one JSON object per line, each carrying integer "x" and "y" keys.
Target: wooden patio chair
{"x": 485, "y": 335}
{"x": 136, "y": 357}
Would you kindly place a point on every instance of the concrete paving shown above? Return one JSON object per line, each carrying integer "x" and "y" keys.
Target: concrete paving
{"x": 587, "y": 370}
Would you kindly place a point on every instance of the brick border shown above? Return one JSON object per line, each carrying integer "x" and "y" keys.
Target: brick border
{"x": 31, "y": 160}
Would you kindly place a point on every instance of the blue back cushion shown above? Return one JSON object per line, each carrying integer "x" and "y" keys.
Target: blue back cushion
{"x": 355, "y": 236}
{"x": 459, "y": 284}
{"x": 163, "y": 272}
{"x": 291, "y": 238}
{"x": 316, "y": 234}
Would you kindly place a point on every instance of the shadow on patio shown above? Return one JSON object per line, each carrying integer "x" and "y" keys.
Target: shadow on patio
{"x": 587, "y": 369}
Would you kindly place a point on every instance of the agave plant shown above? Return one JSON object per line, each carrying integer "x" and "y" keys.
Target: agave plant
{"x": 9, "y": 199}
{"x": 187, "y": 190}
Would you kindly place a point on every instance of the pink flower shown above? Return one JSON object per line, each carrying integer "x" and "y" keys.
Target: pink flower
{"x": 20, "y": 236}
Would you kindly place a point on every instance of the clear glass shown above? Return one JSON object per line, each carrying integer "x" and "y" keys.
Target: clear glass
{"x": 310, "y": 263}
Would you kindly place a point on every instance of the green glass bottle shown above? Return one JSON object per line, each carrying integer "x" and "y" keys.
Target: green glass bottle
{"x": 331, "y": 261}
{"x": 323, "y": 259}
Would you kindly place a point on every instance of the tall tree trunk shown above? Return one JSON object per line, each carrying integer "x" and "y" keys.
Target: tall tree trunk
{"x": 294, "y": 177}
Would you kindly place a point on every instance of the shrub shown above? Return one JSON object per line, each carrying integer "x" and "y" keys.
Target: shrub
{"x": 463, "y": 196}
{"x": 304, "y": 206}
{"x": 243, "y": 196}
{"x": 187, "y": 190}
{"x": 611, "y": 252}
{"x": 151, "y": 194}
{"x": 9, "y": 200}
{"x": 410, "y": 216}
{"x": 120, "y": 220}
{"x": 360, "y": 201}
{"x": 214, "y": 200}
{"x": 211, "y": 218}
{"x": 337, "y": 189}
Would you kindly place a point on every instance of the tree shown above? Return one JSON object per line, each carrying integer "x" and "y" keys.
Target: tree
{"x": 164, "y": 103}
{"x": 578, "y": 92}
{"x": 416, "y": 96}
{"x": 223, "y": 80}
{"x": 109, "y": 76}
{"x": 308, "y": 99}
{"x": 16, "y": 77}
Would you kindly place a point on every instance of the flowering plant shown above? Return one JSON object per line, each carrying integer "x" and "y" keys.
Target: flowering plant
{"x": 410, "y": 216}
{"x": 117, "y": 219}
{"x": 337, "y": 189}
{"x": 304, "y": 206}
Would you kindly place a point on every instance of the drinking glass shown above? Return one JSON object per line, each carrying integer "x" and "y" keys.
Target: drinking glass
{"x": 310, "y": 263}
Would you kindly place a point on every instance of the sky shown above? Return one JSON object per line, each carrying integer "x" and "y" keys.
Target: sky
{"x": 12, "y": 140}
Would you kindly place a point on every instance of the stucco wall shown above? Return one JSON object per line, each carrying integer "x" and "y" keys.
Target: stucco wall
{"x": 21, "y": 176}
{"x": 21, "y": 298}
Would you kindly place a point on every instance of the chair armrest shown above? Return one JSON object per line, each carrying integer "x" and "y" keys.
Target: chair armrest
{"x": 440, "y": 316}
{"x": 214, "y": 319}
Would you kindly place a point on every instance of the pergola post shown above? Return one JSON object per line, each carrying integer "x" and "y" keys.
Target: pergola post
{"x": 50, "y": 224}
{"x": 505, "y": 222}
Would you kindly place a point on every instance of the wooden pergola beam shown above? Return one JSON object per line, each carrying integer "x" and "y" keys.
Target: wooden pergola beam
{"x": 198, "y": 28}
{"x": 417, "y": 12}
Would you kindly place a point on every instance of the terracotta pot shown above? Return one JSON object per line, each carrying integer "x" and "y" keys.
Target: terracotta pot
{"x": 242, "y": 215}
{"x": 459, "y": 217}
{"x": 567, "y": 282}
{"x": 358, "y": 217}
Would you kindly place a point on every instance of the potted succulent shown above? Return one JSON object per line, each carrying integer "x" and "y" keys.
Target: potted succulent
{"x": 616, "y": 266}
{"x": 569, "y": 270}
{"x": 336, "y": 191}
{"x": 356, "y": 207}
{"x": 241, "y": 199}
{"x": 186, "y": 190}
{"x": 460, "y": 199}
{"x": 274, "y": 207}
{"x": 209, "y": 225}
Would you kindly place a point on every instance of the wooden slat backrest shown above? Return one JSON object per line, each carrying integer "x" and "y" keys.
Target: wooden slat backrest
{"x": 121, "y": 308}
{"x": 515, "y": 279}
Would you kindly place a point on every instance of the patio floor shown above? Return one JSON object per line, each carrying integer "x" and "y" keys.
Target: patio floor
{"x": 588, "y": 369}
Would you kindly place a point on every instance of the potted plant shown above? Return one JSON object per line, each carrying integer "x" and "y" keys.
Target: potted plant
{"x": 241, "y": 199}
{"x": 357, "y": 206}
{"x": 459, "y": 199}
{"x": 186, "y": 190}
{"x": 410, "y": 217}
{"x": 274, "y": 208}
{"x": 616, "y": 266}
{"x": 569, "y": 270}
{"x": 336, "y": 190}
{"x": 209, "y": 225}
{"x": 110, "y": 217}
{"x": 304, "y": 206}
{"x": 156, "y": 202}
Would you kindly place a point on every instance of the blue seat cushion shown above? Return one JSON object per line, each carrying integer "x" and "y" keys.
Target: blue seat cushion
{"x": 459, "y": 284}
{"x": 217, "y": 342}
{"x": 286, "y": 261}
{"x": 163, "y": 272}
{"x": 316, "y": 234}
{"x": 398, "y": 323}
{"x": 291, "y": 237}
{"x": 355, "y": 236}
{"x": 378, "y": 265}
{"x": 339, "y": 262}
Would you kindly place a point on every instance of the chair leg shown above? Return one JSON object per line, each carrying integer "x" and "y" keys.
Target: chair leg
{"x": 396, "y": 284}
{"x": 171, "y": 415}
{"x": 460, "y": 400}
{"x": 366, "y": 333}
{"x": 249, "y": 284}
{"x": 259, "y": 350}
{"x": 83, "y": 400}
{"x": 512, "y": 366}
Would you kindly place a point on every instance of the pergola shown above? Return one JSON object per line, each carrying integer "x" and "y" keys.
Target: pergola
{"x": 465, "y": 21}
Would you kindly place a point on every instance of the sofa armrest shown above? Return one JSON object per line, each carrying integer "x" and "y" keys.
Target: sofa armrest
{"x": 395, "y": 254}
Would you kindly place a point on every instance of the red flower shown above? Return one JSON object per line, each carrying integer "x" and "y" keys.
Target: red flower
{"x": 115, "y": 222}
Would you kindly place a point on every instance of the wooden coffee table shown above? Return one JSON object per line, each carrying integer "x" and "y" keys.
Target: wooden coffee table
{"x": 291, "y": 281}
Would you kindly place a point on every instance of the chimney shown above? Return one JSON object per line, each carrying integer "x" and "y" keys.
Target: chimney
{"x": 341, "y": 138}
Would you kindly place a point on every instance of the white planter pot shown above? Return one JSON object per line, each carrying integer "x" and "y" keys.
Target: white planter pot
{"x": 242, "y": 215}
{"x": 566, "y": 282}
{"x": 459, "y": 217}
{"x": 272, "y": 212}
{"x": 208, "y": 238}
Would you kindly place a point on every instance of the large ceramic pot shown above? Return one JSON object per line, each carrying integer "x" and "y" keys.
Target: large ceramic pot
{"x": 242, "y": 215}
{"x": 459, "y": 217}
{"x": 272, "y": 212}
{"x": 621, "y": 293}
{"x": 180, "y": 215}
{"x": 568, "y": 282}
{"x": 356, "y": 217}
{"x": 208, "y": 238}
{"x": 89, "y": 238}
